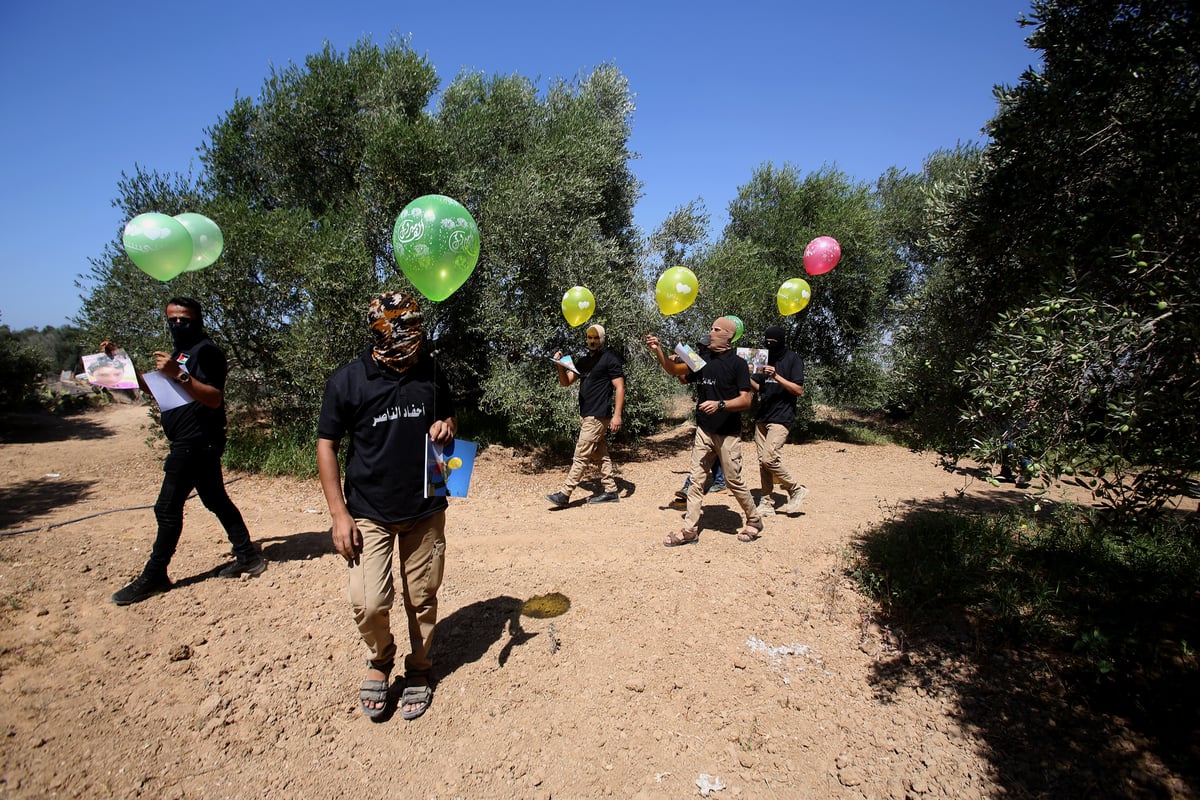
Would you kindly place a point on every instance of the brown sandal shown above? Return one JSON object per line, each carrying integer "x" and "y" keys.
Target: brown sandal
{"x": 681, "y": 536}
{"x": 749, "y": 534}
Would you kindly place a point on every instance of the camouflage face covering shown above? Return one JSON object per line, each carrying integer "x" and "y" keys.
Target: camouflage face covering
{"x": 395, "y": 320}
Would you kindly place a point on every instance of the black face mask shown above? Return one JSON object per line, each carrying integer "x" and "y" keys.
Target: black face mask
{"x": 185, "y": 332}
{"x": 774, "y": 348}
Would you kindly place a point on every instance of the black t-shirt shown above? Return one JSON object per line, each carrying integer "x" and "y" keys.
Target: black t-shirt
{"x": 595, "y": 387}
{"x": 194, "y": 422}
{"x": 386, "y": 417}
{"x": 724, "y": 377}
{"x": 775, "y": 403}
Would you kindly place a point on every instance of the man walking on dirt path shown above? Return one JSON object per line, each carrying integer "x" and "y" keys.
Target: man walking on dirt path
{"x": 601, "y": 377}
{"x": 389, "y": 403}
{"x": 778, "y": 384}
{"x": 196, "y": 431}
{"x": 722, "y": 392}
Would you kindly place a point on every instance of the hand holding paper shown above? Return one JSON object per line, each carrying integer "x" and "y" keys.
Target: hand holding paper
{"x": 167, "y": 393}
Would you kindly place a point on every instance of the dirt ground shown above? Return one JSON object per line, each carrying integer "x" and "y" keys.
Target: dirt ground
{"x": 740, "y": 670}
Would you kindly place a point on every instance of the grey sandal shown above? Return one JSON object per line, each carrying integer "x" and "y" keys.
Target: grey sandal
{"x": 373, "y": 692}
{"x": 420, "y": 696}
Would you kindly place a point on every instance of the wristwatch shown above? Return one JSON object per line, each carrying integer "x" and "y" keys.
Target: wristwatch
{"x": 184, "y": 377}
{"x": 720, "y": 405}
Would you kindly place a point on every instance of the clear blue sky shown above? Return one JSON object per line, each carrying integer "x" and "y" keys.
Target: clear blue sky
{"x": 90, "y": 89}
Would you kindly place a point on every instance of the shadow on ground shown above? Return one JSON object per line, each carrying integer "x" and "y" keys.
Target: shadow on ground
{"x": 466, "y": 635}
{"x": 31, "y": 499}
{"x": 1054, "y": 722}
{"x": 659, "y": 446}
{"x": 296, "y": 546}
{"x": 37, "y": 428}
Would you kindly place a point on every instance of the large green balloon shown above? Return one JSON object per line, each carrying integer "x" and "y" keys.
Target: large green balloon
{"x": 207, "y": 241}
{"x": 159, "y": 245}
{"x": 436, "y": 243}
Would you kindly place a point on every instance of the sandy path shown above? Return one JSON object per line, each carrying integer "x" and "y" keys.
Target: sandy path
{"x": 750, "y": 663}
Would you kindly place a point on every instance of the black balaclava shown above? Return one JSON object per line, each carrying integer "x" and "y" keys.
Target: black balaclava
{"x": 773, "y": 341}
{"x": 186, "y": 333}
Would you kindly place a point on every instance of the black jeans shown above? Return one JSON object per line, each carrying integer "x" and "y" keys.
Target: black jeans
{"x": 194, "y": 466}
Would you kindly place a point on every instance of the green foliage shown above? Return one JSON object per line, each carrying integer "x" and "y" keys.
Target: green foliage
{"x": 933, "y": 325}
{"x": 1060, "y": 581}
{"x": 1083, "y": 388}
{"x": 28, "y": 355}
{"x": 1084, "y": 201}
{"x": 306, "y": 181}
{"x": 20, "y": 367}
{"x": 554, "y": 207}
{"x": 59, "y": 348}
{"x": 852, "y": 431}
{"x": 282, "y": 450}
{"x": 772, "y": 220}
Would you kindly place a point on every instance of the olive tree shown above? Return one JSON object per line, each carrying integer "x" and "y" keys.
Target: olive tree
{"x": 306, "y": 180}
{"x": 1067, "y": 257}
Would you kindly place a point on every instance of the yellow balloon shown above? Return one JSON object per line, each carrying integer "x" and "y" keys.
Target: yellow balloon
{"x": 793, "y": 296}
{"x": 676, "y": 290}
{"x": 578, "y": 305}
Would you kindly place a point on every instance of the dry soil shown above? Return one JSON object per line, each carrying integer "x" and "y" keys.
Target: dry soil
{"x": 741, "y": 670}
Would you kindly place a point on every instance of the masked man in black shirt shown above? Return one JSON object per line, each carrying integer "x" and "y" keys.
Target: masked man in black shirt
{"x": 601, "y": 377}
{"x": 387, "y": 403}
{"x": 778, "y": 384}
{"x": 722, "y": 392}
{"x": 196, "y": 431}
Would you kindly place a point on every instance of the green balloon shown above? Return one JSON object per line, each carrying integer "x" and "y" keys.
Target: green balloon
{"x": 159, "y": 245}
{"x": 436, "y": 244}
{"x": 207, "y": 241}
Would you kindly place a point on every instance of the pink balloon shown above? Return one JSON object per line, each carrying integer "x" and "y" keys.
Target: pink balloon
{"x": 821, "y": 255}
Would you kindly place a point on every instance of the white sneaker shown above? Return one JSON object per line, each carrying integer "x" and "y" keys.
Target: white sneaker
{"x": 797, "y": 497}
{"x": 766, "y": 508}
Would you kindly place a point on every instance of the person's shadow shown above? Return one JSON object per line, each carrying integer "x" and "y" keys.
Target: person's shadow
{"x": 297, "y": 546}
{"x": 464, "y": 637}
{"x": 720, "y": 519}
{"x": 467, "y": 634}
{"x": 292, "y": 547}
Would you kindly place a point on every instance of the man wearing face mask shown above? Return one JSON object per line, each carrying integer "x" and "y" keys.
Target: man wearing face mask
{"x": 385, "y": 404}
{"x": 778, "y": 383}
{"x": 716, "y": 483}
{"x": 722, "y": 392}
{"x": 196, "y": 431}
{"x": 601, "y": 379}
